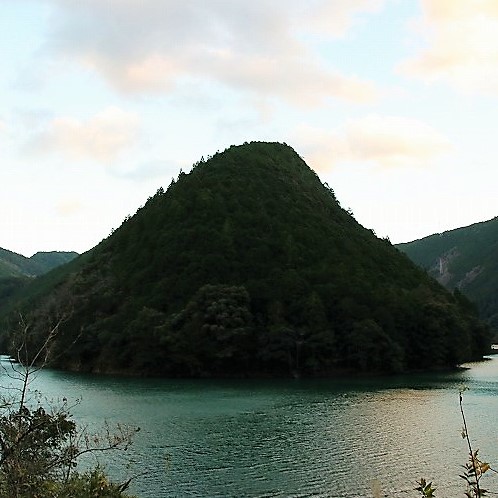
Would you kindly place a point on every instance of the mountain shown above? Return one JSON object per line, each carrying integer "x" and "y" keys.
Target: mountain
{"x": 49, "y": 260}
{"x": 16, "y": 265}
{"x": 247, "y": 265}
{"x": 16, "y": 270}
{"x": 465, "y": 259}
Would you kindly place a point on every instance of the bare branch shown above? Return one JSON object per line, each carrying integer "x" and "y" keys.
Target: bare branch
{"x": 38, "y": 445}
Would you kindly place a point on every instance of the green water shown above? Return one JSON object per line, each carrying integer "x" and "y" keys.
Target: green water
{"x": 290, "y": 438}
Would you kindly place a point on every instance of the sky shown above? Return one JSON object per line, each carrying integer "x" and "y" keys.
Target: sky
{"x": 392, "y": 102}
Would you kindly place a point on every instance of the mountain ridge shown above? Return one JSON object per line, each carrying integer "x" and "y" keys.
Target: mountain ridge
{"x": 465, "y": 259}
{"x": 17, "y": 265}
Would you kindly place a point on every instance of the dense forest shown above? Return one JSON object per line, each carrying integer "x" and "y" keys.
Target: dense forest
{"x": 464, "y": 259}
{"x": 247, "y": 266}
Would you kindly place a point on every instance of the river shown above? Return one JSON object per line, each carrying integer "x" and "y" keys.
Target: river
{"x": 289, "y": 438}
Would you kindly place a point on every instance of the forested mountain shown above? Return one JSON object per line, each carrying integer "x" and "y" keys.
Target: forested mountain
{"x": 465, "y": 259}
{"x": 248, "y": 266}
{"x": 50, "y": 260}
{"x": 16, "y": 265}
{"x": 16, "y": 270}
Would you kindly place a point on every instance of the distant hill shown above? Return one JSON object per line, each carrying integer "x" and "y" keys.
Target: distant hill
{"x": 16, "y": 271}
{"x": 50, "y": 260}
{"x": 465, "y": 259}
{"x": 16, "y": 265}
{"x": 248, "y": 266}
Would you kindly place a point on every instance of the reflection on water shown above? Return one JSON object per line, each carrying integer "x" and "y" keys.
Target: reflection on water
{"x": 321, "y": 438}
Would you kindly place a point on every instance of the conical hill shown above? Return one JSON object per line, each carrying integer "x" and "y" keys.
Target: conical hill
{"x": 248, "y": 265}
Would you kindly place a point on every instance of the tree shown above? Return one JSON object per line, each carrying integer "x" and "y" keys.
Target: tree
{"x": 217, "y": 325}
{"x": 371, "y": 349}
{"x": 40, "y": 446}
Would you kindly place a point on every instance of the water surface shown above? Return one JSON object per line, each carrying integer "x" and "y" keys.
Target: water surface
{"x": 289, "y": 438}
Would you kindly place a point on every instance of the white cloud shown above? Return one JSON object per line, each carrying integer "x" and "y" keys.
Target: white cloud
{"x": 384, "y": 141}
{"x": 5, "y": 133}
{"x": 150, "y": 170}
{"x": 253, "y": 46}
{"x": 462, "y": 45}
{"x": 102, "y": 138}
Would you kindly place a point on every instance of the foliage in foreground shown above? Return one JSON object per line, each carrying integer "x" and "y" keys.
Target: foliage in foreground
{"x": 474, "y": 469}
{"x": 39, "y": 452}
{"x": 40, "y": 447}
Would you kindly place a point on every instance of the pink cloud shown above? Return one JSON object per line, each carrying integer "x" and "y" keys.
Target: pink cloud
{"x": 68, "y": 207}
{"x": 101, "y": 138}
{"x": 253, "y": 47}
{"x": 384, "y": 141}
{"x": 462, "y": 46}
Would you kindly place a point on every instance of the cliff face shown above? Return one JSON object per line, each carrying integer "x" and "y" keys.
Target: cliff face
{"x": 248, "y": 265}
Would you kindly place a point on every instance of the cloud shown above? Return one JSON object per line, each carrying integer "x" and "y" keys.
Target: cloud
{"x": 462, "y": 46}
{"x": 68, "y": 207}
{"x": 337, "y": 17}
{"x": 384, "y": 141}
{"x": 102, "y": 138}
{"x": 3, "y": 133}
{"x": 254, "y": 46}
{"x": 150, "y": 170}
